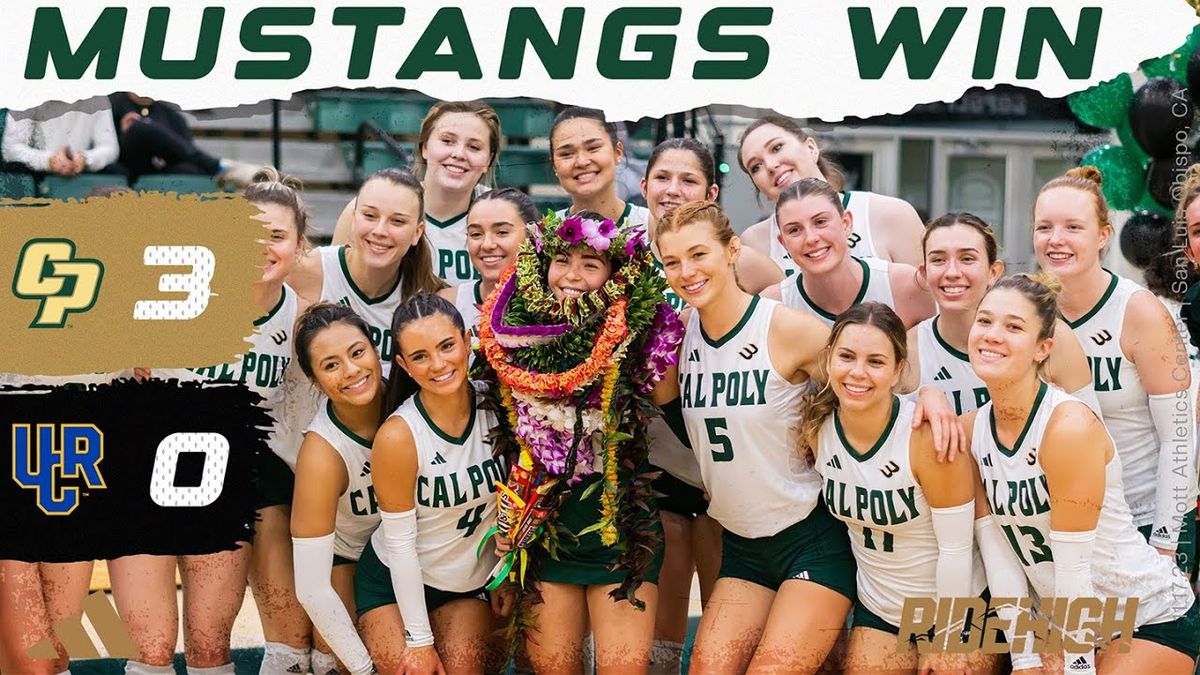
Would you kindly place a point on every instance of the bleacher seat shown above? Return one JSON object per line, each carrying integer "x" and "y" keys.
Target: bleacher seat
{"x": 401, "y": 114}
{"x": 76, "y": 187}
{"x": 16, "y": 186}
{"x": 519, "y": 165}
{"x": 180, "y": 183}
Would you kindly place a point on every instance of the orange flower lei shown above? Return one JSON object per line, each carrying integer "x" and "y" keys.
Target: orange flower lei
{"x": 553, "y": 385}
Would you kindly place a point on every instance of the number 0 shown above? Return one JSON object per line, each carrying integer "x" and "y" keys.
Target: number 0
{"x": 163, "y": 490}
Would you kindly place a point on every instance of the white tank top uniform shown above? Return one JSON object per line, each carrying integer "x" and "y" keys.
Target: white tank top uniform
{"x": 455, "y": 499}
{"x": 1123, "y": 401}
{"x": 890, "y": 522}
{"x": 948, "y": 369}
{"x": 262, "y": 369}
{"x": 1123, "y": 565}
{"x": 357, "y": 510}
{"x": 337, "y": 286}
{"x": 861, "y": 244}
{"x": 467, "y": 300}
{"x": 448, "y": 244}
{"x": 741, "y": 417}
{"x": 876, "y": 287}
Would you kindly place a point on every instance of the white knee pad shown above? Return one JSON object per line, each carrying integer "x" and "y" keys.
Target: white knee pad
{"x": 226, "y": 669}
{"x": 138, "y": 668}
{"x": 281, "y": 659}
{"x": 323, "y": 664}
{"x": 589, "y": 654}
{"x": 665, "y": 657}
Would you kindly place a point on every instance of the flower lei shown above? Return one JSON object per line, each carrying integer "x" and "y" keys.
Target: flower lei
{"x": 569, "y": 394}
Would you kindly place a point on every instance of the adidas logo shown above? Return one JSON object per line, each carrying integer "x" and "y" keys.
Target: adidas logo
{"x": 834, "y": 462}
{"x": 694, "y": 356}
{"x": 295, "y": 668}
{"x": 987, "y": 460}
{"x": 801, "y": 575}
{"x": 113, "y": 633}
{"x": 1162, "y": 532}
{"x": 438, "y": 459}
{"x": 942, "y": 374}
{"x": 366, "y": 470}
{"x": 1080, "y": 663}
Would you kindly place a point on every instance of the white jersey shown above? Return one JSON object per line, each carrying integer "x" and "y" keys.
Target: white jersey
{"x": 467, "y": 301}
{"x": 448, "y": 244}
{"x": 337, "y": 286}
{"x": 876, "y": 287}
{"x": 861, "y": 244}
{"x": 263, "y": 366}
{"x": 455, "y": 497}
{"x": 1123, "y": 402}
{"x": 890, "y": 522}
{"x": 741, "y": 417}
{"x": 948, "y": 369}
{"x": 637, "y": 216}
{"x": 1123, "y": 564}
{"x": 357, "y": 509}
{"x": 667, "y": 452}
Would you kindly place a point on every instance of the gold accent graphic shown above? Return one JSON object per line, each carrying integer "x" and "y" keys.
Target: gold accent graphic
{"x": 113, "y": 633}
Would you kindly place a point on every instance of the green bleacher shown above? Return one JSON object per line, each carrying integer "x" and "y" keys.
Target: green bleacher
{"x": 16, "y": 185}
{"x": 75, "y": 187}
{"x": 180, "y": 183}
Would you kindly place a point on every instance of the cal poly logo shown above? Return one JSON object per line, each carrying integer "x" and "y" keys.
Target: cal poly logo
{"x": 48, "y": 271}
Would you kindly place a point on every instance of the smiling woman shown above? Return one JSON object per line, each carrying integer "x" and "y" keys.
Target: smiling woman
{"x": 386, "y": 260}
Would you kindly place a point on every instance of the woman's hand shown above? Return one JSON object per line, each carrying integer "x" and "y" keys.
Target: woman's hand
{"x": 421, "y": 661}
{"x": 949, "y": 439}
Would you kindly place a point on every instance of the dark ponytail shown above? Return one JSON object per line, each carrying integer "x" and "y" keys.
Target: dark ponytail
{"x": 419, "y": 306}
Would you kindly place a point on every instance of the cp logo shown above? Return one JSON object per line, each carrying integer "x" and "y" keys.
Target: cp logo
{"x": 48, "y": 270}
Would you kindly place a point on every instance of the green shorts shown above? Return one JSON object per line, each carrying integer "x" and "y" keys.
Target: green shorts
{"x": 373, "y": 587}
{"x": 586, "y": 561}
{"x": 1185, "y": 552}
{"x": 1182, "y": 634}
{"x": 679, "y": 497}
{"x": 275, "y": 483}
{"x": 339, "y": 560}
{"x": 816, "y": 549}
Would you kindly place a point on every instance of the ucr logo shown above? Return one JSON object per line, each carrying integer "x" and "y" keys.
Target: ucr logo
{"x": 48, "y": 270}
{"x": 40, "y": 464}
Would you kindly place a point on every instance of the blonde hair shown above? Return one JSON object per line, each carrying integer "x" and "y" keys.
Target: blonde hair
{"x": 701, "y": 210}
{"x": 816, "y": 407}
{"x": 269, "y": 186}
{"x": 1087, "y": 179}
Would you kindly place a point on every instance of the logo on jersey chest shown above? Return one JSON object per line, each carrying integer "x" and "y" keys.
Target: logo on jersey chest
{"x": 1106, "y": 372}
{"x": 881, "y": 507}
{"x": 1025, "y": 497}
{"x": 1101, "y": 338}
{"x": 739, "y": 388}
{"x": 261, "y": 370}
{"x": 459, "y": 487}
{"x": 279, "y": 337}
{"x": 853, "y": 239}
{"x": 748, "y": 351}
{"x": 980, "y": 394}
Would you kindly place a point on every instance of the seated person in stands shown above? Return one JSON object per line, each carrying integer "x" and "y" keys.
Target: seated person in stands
{"x": 155, "y": 138}
{"x": 62, "y": 140}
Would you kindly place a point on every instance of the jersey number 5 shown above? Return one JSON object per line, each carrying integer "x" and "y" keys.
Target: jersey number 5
{"x": 715, "y": 427}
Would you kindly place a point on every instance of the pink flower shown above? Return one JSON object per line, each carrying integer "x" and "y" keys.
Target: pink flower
{"x": 608, "y": 230}
{"x": 590, "y": 228}
{"x": 571, "y": 230}
{"x": 635, "y": 242}
{"x": 599, "y": 243}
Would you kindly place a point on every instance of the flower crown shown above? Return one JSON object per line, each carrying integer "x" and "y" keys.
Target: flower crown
{"x": 556, "y": 235}
{"x": 626, "y": 245}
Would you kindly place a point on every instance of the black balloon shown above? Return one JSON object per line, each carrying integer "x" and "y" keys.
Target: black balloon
{"x": 1160, "y": 115}
{"x": 1164, "y": 175}
{"x": 1145, "y": 236}
{"x": 1193, "y": 76}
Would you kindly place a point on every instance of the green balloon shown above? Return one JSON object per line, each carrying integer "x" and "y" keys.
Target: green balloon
{"x": 1125, "y": 133}
{"x": 1174, "y": 64}
{"x": 1123, "y": 177}
{"x": 1149, "y": 203}
{"x": 1105, "y": 105}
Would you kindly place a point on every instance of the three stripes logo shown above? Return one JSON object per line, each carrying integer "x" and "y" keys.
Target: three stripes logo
{"x": 1101, "y": 338}
{"x": 111, "y": 631}
{"x": 279, "y": 338}
{"x": 748, "y": 351}
{"x": 890, "y": 469}
{"x": 987, "y": 460}
{"x": 834, "y": 462}
{"x": 366, "y": 470}
{"x": 694, "y": 356}
{"x": 438, "y": 459}
{"x": 1162, "y": 532}
{"x": 1080, "y": 664}
{"x": 943, "y": 374}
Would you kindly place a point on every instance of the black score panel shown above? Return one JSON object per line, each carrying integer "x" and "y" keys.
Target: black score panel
{"x": 103, "y": 471}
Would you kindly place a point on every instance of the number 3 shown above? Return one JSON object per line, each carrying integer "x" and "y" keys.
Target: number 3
{"x": 197, "y": 283}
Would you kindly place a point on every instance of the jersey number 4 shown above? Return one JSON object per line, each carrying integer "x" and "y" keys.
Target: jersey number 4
{"x": 470, "y": 520}
{"x": 716, "y": 438}
{"x": 1038, "y": 550}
